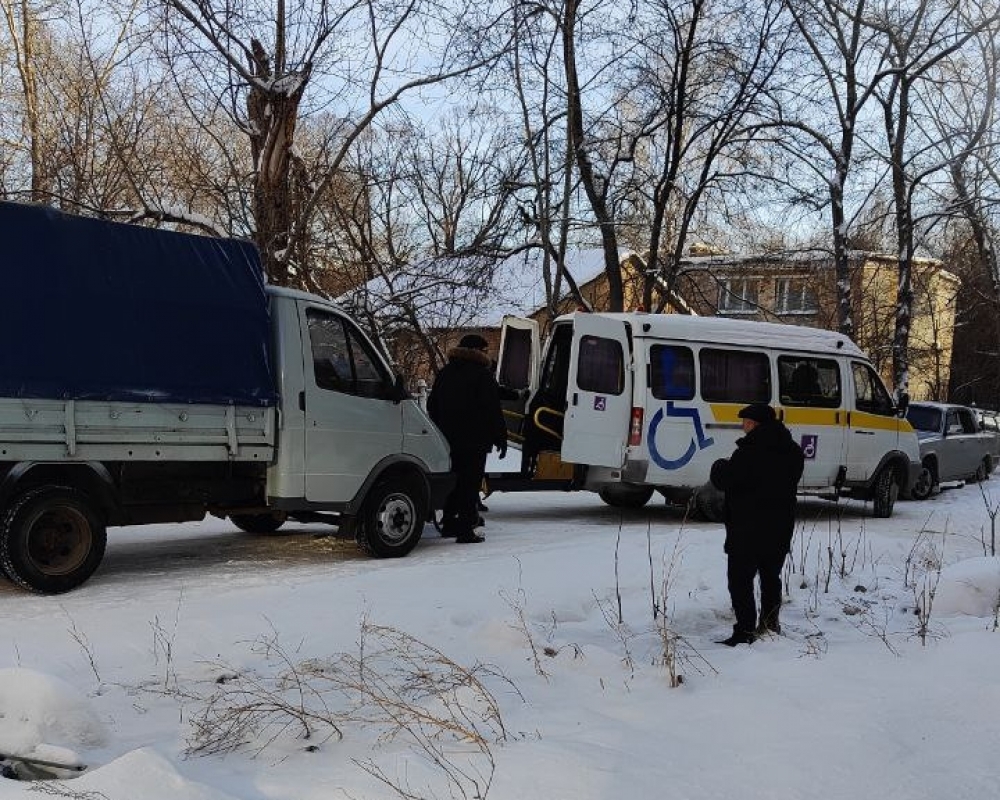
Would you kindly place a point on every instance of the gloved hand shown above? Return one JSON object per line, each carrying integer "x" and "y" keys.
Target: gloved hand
{"x": 502, "y": 448}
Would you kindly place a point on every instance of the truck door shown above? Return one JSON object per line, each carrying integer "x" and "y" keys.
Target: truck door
{"x": 351, "y": 419}
{"x": 517, "y": 371}
{"x": 599, "y": 394}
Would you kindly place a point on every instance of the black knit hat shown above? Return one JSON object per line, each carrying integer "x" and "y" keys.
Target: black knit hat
{"x": 758, "y": 412}
{"x": 473, "y": 341}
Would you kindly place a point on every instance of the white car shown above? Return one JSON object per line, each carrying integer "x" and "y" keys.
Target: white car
{"x": 953, "y": 445}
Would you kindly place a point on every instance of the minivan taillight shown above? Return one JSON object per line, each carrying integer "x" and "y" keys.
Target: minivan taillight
{"x": 635, "y": 428}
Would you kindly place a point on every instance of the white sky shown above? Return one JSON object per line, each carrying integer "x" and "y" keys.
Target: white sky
{"x": 111, "y": 674}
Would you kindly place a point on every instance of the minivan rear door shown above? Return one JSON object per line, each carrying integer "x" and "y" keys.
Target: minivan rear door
{"x": 517, "y": 370}
{"x": 599, "y": 393}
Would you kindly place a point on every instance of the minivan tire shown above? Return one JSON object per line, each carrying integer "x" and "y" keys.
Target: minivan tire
{"x": 884, "y": 493}
{"x": 622, "y": 497}
{"x": 52, "y": 539}
{"x": 392, "y": 518}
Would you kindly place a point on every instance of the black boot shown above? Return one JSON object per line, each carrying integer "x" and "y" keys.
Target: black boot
{"x": 738, "y": 637}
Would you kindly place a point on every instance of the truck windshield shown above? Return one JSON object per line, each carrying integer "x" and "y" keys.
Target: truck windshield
{"x": 924, "y": 418}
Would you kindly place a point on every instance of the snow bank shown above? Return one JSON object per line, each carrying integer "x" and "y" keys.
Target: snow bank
{"x": 971, "y": 586}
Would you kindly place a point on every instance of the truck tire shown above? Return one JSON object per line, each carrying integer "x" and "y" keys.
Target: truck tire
{"x": 626, "y": 497}
{"x": 259, "y": 523}
{"x": 392, "y": 518}
{"x": 52, "y": 539}
{"x": 884, "y": 493}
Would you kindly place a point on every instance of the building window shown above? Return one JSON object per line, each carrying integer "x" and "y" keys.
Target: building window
{"x": 795, "y": 296}
{"x": 738, "y": 296}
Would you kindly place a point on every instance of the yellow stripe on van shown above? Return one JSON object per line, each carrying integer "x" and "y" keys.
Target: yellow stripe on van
{"x": 729, "y": 412}
{"x": 797, "y": 415}
{"x": 814, "y": 416}
{"x": 726, "y": 412}
{"x": 859, "y": 419}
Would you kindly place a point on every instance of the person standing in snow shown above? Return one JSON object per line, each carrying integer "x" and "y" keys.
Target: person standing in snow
{"x": 465, "y": 404}
{"x": 759, "y": 481}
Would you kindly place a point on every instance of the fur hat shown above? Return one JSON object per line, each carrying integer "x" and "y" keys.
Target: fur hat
{"x": 758, "y": 412}
{"x": 473, "y": 341}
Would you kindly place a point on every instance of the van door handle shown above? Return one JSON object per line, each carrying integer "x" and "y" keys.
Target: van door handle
{"x": 865, "y": 433}
{"x": 574, "y": 398}
{"x": 302, "y": 401}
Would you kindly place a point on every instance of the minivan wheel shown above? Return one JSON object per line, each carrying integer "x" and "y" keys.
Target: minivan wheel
{"x": 259, "y": 523}
{"x": 885, "y": 492}
{"x": 52, "y": 539}
{"x": 709, "y": 503}
{"x": 392, "y": 518}
{"x": 625, "y": 497}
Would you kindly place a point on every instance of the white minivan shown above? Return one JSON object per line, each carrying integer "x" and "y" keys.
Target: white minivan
{"x": 625, "y": 404}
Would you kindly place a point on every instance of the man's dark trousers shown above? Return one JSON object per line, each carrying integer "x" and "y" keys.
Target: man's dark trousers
{"x": 461, "y": 509}
{"x": 740, "y": 573}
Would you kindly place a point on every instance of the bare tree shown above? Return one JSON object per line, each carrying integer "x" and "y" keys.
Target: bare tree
{"x": 823, "y": 112}
{"x": 271, "y": 63}
{"x": 919, "y": 35}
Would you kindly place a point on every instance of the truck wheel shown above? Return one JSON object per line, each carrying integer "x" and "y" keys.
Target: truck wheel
{"x": 259, "y": 523}
{"x": 625, "y": 497}
{"x": 885, "y": 492}
{"x": 52, "y": 539}
{"x": 924, "y": 484}
{"x": 392, "y": 518}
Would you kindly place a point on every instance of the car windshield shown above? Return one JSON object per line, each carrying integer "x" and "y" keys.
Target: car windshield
{"x": 924, "y": 418}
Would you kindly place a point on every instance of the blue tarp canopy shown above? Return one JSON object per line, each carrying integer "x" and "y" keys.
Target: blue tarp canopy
{"x": 97, "y": 310}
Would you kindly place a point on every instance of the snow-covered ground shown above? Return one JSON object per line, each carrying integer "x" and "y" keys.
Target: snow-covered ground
{"x": 530, "y": 666}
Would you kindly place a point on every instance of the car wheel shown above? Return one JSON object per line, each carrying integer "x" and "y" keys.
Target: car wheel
{"x": 622, "y": 497}
{"x": 924, "y": 484}
{"x": 884, "y": 493}
{"x": 392, "y": 518}
{"x": 983, "y": 470}
{"x": 52, "y": 539}
{"x": 259, "y": 523}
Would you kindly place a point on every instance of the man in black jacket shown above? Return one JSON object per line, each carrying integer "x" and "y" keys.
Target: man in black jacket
{"x": 760, "y": 481}
{"x": 465, "y": 404}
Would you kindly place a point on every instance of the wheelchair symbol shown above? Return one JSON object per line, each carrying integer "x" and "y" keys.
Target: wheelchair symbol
{"x": 698, "y": 442}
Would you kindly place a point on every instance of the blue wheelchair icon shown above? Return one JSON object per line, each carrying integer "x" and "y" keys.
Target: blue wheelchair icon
{"x": 698, "y": 441}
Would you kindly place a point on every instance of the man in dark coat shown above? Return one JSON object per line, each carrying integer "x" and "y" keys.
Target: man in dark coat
{"x": 760, "y": 481}
{"x": 465, "y": 404}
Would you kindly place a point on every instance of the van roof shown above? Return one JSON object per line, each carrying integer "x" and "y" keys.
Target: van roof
{"x": 723, "y": 330}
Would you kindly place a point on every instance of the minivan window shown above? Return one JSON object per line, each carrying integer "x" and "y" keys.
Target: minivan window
{"x": 516, "y": 362}
{"x": 735, "y": 376}
{"x": 342, "y": 360}
{"x": 869, "y": 393}
{"x": 671, "y": 372}
{"x": 600, "y": 366}
{"x": 813, "y": 382}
